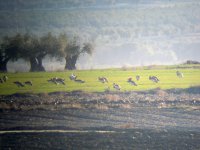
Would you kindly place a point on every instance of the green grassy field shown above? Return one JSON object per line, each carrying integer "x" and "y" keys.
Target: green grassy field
{"x": 167, "y": 76}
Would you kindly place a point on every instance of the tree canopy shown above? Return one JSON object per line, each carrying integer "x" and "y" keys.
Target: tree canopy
{"x": 9, "y": 50}
{"x": 73, "y": 50}
{"x": 34, "y": 49}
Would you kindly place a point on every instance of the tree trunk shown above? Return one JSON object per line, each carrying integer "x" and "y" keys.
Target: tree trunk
{"x": 3, "y": 65}
{"x": 36, "y": 64}
{"x": 40, "y": 66}
{"x": 71, "y": 62}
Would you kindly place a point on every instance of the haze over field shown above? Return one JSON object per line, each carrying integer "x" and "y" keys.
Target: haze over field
{"x": 125, "y": 32}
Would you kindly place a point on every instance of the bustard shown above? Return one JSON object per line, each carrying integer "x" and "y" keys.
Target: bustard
{"x": 5, "y": 78}
{"x": 72, "y": 77}
{"x": 19, "y": 84}
{"x": 116, "y": 86}
{"x": 28, "y": 83}
{"x": 154, "y": 79}
{"x": 137, "y": 77}
{"x": 79, "y": 81}
{"x": 131, "y": 82}
{"x": 179, "y": 74}
{"x": 103, "y": 79}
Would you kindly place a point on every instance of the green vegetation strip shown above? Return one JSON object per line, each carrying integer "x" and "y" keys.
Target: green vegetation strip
{"x": 167, "y": 77}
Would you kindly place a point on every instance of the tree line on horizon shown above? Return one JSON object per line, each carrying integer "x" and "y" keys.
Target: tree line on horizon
{"x": 33, "y": 49}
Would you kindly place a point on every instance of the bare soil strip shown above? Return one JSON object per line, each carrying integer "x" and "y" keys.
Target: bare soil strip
{"x": 55, "y": 131}
{"x": 131, "y": 120}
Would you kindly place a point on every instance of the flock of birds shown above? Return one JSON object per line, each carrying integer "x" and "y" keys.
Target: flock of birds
{"x": 152, "y": 78}
{"x": 19, "y": 84}
{"x": 57, "y": 80}
{"x": 73, "y": 77}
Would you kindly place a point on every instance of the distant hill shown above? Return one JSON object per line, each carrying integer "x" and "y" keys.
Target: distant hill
{"x": 55, "y": 4}
{"x": 191, "y": 62}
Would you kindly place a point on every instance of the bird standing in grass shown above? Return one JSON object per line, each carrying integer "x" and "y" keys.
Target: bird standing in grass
{"x": 52, "y": 80}
{"x": 103, "y": 79}
{"x": 60, "y": 80}
{"x": 79, "y": 81}
{"x": 131, "y": 82}
{"x": 179, "y": 74}
{"x": 137, "y": 77}
{"x": 116, "y": 86}
{"x": 28, "y": 83}
{"x": 72, "y": 77}
{"x": 5, "y": 78}
{"x": 57, "y": 80}
{"x": 19, "y": 84}
{"x": 154, "y": 79}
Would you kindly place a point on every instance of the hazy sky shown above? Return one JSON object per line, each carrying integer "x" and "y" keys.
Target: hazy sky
{"x": 134, "y": 32}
